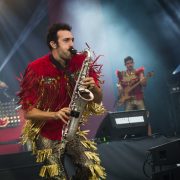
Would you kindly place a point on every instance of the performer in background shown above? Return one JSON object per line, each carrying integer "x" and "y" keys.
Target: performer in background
{"x": 126, "y": 79}
{"x": 45, "y": 94}
{"x": 130, "y": 86}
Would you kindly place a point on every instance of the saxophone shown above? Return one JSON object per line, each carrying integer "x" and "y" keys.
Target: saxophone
{"x": 80, "y": 97}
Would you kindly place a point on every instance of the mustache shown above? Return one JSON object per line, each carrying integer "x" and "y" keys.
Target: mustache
{"x": 73, "y": 51}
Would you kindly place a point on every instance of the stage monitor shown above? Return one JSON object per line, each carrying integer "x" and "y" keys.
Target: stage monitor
{"x": 118, "y": 125}
{"x": 166, "y": 154}
{"x": 169, "y": 174}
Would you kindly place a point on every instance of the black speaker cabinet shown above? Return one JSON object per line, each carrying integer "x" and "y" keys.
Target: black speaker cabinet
{"x": 118, "y": 125}
{"x": 175, "y": 97}
{"x": 166, "y": 154}
{"x": 169, "y": 174}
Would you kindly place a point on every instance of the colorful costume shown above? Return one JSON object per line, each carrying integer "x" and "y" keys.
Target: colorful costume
{"x": 48, "y": 87}
{"x": 137, "y": 96}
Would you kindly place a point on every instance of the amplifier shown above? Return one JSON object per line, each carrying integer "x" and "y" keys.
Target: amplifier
{"x": 166, "y": 154}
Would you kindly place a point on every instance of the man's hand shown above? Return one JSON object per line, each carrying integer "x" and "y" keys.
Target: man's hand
{"x": 91, "y": 85}
{"x": 63, "y": 114}
{"x": 120, "y": 89}
{"x": 143, "y": 81}
{"x": 89, "y": 82}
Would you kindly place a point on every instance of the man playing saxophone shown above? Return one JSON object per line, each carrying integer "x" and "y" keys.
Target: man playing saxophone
{"x": 45, "y": 94}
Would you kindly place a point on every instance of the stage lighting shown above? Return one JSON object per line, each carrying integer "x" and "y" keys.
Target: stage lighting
{"x": 8, "y": 114}
{"x": 177, "y": 70}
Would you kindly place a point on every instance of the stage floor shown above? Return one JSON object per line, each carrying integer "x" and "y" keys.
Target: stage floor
{"x": 123, "y": 160}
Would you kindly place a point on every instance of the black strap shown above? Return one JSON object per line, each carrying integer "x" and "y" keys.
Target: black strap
{"x": 61, "y": 68}
{"x": 56, "y": 63}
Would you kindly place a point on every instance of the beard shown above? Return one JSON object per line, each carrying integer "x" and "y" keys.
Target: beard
{"x": 130, "y": 68}
{"x": 66, "y": 55}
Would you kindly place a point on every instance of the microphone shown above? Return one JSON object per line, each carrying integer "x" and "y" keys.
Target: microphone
{"x": 73, "y": 51}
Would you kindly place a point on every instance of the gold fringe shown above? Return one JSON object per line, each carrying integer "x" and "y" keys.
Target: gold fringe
{"x": 100, "y": 171}
{"x": 92, "y": 156}
{"x": 82, "y": 133}
{"x": 50, "y": 170}
{"x": 33, "y": 147}
{"x": 95, "y": 108}
{"x": 43, "y": 154}
{"x": 89, "y": 144}
{"x": 97, "y": 172}
{"x": 93, "y": 177}
{"x": 92, "y": 109}
{"x": 31, "y": 130}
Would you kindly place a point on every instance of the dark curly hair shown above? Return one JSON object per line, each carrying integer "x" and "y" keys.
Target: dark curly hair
{"x": 128, "y": 58}
{"x": 52, "y": 32}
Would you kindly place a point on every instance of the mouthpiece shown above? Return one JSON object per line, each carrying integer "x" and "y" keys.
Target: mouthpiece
{"x": 73, "y": 51}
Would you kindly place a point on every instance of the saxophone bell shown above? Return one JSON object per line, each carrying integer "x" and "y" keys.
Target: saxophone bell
{"x": 85, "y": 94}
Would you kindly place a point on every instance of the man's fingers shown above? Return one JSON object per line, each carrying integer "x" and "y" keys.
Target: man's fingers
{"x": 63, "y": 117}
{"x": 63, "y": 114}
{"x": 89, "y": 82}
{"x": 66, "y": 111}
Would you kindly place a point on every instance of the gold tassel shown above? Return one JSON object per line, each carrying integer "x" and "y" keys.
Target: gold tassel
{"x": 97, "y": 172}
{"x": 83, "y": 133}
{"x": 43, "y": 154}
{"x": 92, "y": 172}
{"x": 91, "y": 155}
{"x": 50, "y": 170}
{"x": 100, "y": 171}
{"x": 91, "y": 109}
{"x": 85, "y": 144}
{"x": 31, "y": 130}
{"x": 95, "y": 108}
{"x": 89, "y": 144}
{"x": 34, "y": 150}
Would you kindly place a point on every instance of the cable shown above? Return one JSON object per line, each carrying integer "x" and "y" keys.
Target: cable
{"x": 147, "y": 161}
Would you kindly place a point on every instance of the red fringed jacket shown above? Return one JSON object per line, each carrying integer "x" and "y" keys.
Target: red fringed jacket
{"x": 124, "y": 79}
{"x": 48, "y": 88}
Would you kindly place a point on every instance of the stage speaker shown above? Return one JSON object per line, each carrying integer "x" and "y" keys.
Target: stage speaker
{"x": 170, "y": 174}
{"x": 121, "y": 125}
{"x": 166, "y": 154}
{"x": 174, "y": 90}
{"x": 175, "y": 96}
